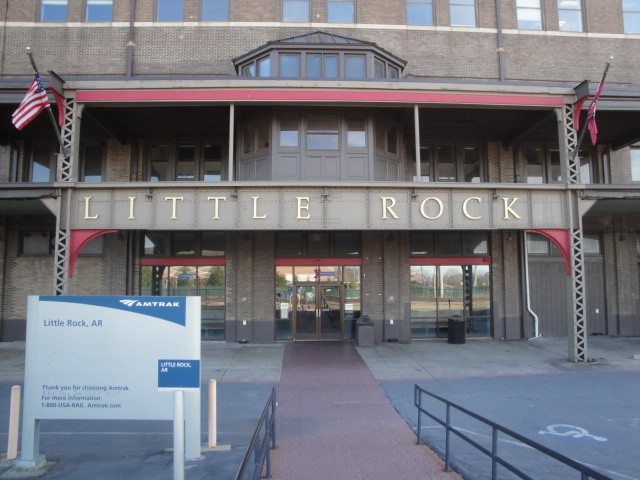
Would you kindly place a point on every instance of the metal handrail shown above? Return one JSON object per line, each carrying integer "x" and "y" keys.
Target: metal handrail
{"x": 585, "y": 472}
{"x": 258, "y": 454}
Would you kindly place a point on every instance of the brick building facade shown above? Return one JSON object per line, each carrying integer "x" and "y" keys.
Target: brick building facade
{"x": 298, "y": 164}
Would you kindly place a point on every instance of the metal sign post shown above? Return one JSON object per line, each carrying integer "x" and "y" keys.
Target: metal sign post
{"x": 178, "y": 376}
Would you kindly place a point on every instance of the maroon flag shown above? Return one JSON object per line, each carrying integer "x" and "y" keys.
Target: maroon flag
{"x": 60, "y": 103}
{"x": 34, "y": 102}
{"x": 577, "y": 107}
{"x": 591, "y": 114}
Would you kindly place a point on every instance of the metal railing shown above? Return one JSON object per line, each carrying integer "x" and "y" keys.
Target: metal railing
{"x": 258, "y": 455}
{"x": 584, "y": 471}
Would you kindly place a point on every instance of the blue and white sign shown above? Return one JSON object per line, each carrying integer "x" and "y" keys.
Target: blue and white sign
{"x": 178, "y": 374}
{"x": 97, "y": 358}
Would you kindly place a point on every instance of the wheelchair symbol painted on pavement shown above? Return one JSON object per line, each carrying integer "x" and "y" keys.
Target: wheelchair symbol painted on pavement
{"x": 570, "y": 431}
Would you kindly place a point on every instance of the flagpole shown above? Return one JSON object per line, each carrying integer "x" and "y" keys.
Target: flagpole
{"x": 48, "y": 108}
{"x": 584, "y": 128}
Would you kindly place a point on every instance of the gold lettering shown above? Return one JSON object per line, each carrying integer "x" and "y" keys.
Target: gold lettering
{"x": 216, "y": 203}
{"x": 423, "y": 212}
{"x": 464, "y": 207}
{"x": 131, "y": 214}
{"x": 301, "y": 207}
{"x": 86, "y": 210}
{"x": 174, "y": 208}
{"x": 387, "y": 204}
{"x": 255, "y": 209}
{"x": 508, "y": 209}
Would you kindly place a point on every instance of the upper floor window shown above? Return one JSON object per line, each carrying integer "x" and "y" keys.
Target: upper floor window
{"x": 529, "y": 13}
{"x": 341, "y": 11}
{"x": 99, "y": 11}
{"x": 53, "y": 11}
{"x": 635, "y": 164}
{"x": 631, "y": 16}
{"x": 463, "y": 13}
{"x": 420, "y": 12}
{"x": 570, "y": 15}
{"x": 42, "y": 164}
{"x": 323, "y": 133}
{"x": 91, "y": 166}
{"x": 170, "y": 11}
{"x": 542, "y": 165}
{"x": 295, "y": 10}
{"x": 215, "y": 10}
{"x": 197, "y": 160}
{"x": 320, "y": 55}
{"x": 448, "y": 162}
{"x": 382, "y": 69}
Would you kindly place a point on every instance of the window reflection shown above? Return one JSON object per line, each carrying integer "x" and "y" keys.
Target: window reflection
{"x": 207, "y": 282}
{"x": 440, "y": 291}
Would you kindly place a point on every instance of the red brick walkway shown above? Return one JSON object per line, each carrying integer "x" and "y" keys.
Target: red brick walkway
{"x": 335, "y": 422}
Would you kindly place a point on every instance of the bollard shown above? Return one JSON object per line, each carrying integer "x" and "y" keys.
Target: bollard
{"x": 213, "y": 412}
{"x": 14, "y": 423}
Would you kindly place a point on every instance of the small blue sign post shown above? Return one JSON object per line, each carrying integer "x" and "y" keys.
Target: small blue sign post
{"x": 178, "y": 376}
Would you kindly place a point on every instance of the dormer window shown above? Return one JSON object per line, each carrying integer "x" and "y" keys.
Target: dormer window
{"x": 320, "y": 55}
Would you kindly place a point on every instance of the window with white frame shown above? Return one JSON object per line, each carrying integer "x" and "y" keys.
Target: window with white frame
{"x": 631, "y": 16}
{"x": 170, "y": 11}
{"x": 99, "y": 11}
{"x": 570, "y": 15}
{"x": 463, "y": 13}
{"x": 53, "y": 11}
{"x": 215, "y": 10}
{"x": 341, "y": 11}
{"x": 529, "y": 13}
{"x": 635, "y": 164}
{"x": 295, "y": 10}
{"x": 419, "y": 12}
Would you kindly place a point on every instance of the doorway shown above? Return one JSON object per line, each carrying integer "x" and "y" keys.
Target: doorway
{"x": 318, "y": 311}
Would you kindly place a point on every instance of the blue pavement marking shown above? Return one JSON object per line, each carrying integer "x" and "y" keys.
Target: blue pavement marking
{"x": 593, "y": 418}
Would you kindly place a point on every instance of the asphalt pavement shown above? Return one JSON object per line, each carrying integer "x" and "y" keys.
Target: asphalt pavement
{"x": 586, "y": 411}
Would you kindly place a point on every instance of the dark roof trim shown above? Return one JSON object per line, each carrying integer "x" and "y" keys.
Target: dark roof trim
{"x": 316, "y": 40}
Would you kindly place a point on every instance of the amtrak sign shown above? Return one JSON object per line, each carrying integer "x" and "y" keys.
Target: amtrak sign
{"x": 314, "y": 208}
{"x": 97, "y": 358}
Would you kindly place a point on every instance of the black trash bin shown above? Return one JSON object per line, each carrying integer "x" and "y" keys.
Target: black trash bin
{"x": 455, "y": 329}
{"x": 364, "y": 331}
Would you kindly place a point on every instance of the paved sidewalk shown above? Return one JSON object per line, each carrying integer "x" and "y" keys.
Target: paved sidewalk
{"x": 353, "y": 422}
{"x": 334, "y": 421}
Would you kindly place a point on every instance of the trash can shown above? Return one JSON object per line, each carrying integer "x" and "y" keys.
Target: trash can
{"x": 455, "y": 329}
{"x": 364, "y": 332}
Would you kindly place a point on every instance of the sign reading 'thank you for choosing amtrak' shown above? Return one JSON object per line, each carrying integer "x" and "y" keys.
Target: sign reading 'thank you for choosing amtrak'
{"x": 97, "y": 357}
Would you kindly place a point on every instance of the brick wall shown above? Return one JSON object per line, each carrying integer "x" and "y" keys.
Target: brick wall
{"x": 85, "y": 49}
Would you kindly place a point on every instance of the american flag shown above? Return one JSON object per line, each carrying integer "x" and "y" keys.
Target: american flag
{"x": 34, "y": 102}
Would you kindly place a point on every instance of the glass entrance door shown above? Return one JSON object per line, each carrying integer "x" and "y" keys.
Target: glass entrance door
{"x": 318, "y": 310}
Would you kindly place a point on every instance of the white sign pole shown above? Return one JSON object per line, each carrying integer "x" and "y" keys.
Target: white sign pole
{"x": 178, "y": 435}
{"x": 30, "y": 444}
{"x": 193, "y": 446}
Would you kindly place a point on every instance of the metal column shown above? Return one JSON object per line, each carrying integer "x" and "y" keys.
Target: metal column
{"x": 576, "y": 315}
{"x": 64, "y": 174}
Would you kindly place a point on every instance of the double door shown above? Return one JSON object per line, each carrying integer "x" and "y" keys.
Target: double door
{"x": 318, "y": 311}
